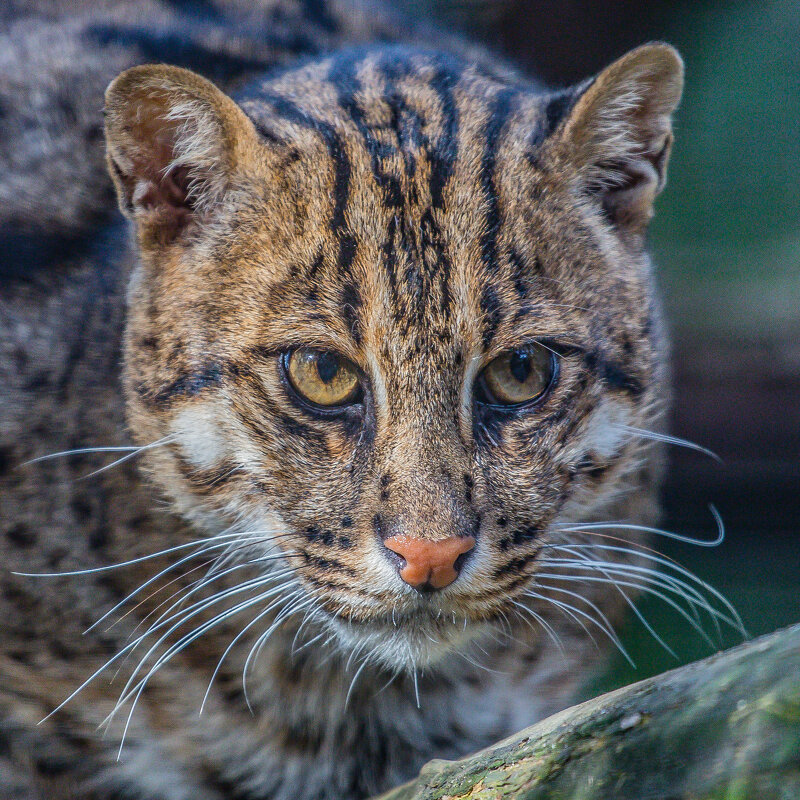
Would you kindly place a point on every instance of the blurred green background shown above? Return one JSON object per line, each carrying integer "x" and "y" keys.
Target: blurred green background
{"x": 726, "y": 240}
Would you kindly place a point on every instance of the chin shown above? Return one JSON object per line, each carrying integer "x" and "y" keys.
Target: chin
{"x": 410, "y": 640}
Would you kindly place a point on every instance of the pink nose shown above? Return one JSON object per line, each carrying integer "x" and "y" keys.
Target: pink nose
{"x": 429, "y": 562}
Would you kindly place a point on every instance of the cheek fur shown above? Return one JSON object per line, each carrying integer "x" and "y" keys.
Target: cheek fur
{"x": 199, "y": 435}
{"x": 605, "y": 432}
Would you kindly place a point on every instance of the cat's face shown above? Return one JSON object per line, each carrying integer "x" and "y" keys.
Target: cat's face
{"x": 394, "y": 322}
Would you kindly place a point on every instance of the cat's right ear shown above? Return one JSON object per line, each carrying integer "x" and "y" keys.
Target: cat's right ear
{"x": 617, "y": 137}
{"x": 173, "y": 141}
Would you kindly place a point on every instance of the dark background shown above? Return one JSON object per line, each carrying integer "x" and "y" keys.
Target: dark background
{"x": 726, "y": 241}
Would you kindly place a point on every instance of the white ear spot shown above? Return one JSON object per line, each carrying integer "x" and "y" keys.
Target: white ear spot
{"x": 199, "y": 434}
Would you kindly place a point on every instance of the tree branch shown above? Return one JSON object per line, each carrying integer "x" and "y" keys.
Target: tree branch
{"x": 725, "y": 728}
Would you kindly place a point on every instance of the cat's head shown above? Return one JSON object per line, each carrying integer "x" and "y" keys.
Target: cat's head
{"x": 393, "y": 314}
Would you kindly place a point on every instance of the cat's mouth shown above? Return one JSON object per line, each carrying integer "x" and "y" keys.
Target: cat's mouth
{"x": 419, "y": 632}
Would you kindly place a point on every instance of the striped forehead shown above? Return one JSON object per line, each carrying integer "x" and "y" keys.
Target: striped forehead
{"x": 412, "y": 141}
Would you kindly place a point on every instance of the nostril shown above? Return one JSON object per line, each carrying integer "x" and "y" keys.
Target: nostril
{"x": 394, "y": 558}
{"x": 383, "y": 534}
{"x": 458, "y": 564}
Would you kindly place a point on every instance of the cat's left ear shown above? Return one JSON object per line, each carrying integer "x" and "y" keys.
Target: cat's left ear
{"x": 616, "y": 139}
{"x": 174, "y": 141}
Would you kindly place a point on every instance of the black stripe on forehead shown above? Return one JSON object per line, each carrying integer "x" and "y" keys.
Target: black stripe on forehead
{"x": 445, "y": 74}
{"x": 418, "y": 273}
{"x": 341, "y": 165}
{"x": 343, "y": 76}
{"x": 351, "y": 307}
{"x": 501, "y": 106}
{"x": 492, "y": 309}
{"x": 415, "y": 256}
{"x": 443, "y": 157}
{"x": 503, "y": 103}
{"x": 405, "y": 121}
{"x": 422, "y": 273}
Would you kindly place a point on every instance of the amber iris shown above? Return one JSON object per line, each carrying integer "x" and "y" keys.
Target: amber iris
{"x": 322, "y": 377}
{"x": 518, "y": 376}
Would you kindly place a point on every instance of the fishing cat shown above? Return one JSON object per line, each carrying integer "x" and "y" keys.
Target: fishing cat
{"x": 382, "y": 327}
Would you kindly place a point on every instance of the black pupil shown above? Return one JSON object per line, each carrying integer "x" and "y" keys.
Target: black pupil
{"x": 519, "y": 364}
{"x": 327, "y": 366}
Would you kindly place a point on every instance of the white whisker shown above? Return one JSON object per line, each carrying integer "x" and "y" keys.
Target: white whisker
{"x": 608, "y": 624}
{"x": 668, "y": 439}
{"x": 691, "y": 595}
{"x": 80, "y": 451}
{"x": 211, "y": 577}
{"x": 624, "y": 526}
{"x": 132, "y": 690}
{"x": 566, "y": 609}
{"x": 670, "y": 564}
{"x": 259, "y": 644}
{"x": 227, "y": 650}
{"x": 645, "y": 588}
{"x": 307, "y": 617}
{"x": 353, "y": 682}
{"x": 543, "y": 622}
{"x": 154, "y": 578}
{"x": 160, "y": 443}
{"x": 121, "y": 564}
{"x": 157, "y": 591}
{"x": 126, "y": 649}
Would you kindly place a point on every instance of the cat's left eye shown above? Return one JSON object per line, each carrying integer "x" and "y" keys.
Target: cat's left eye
{"x": 518, "y": 376}
{"x": 322, "y": 377}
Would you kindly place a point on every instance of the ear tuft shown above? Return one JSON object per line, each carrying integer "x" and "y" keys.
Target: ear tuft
{"x": 173, "y": 140}
{"x": 618, "y": 135}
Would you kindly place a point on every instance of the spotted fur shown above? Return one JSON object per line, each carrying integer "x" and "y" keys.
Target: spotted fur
{"x": 418, "y": 208}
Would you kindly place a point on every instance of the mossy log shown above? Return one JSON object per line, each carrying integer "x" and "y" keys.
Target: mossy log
{"x": 725, "y": 728}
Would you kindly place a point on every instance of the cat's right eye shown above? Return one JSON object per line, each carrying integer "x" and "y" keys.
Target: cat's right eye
{"x": 322, "y": 377}
{"x": 518, "y": 377}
